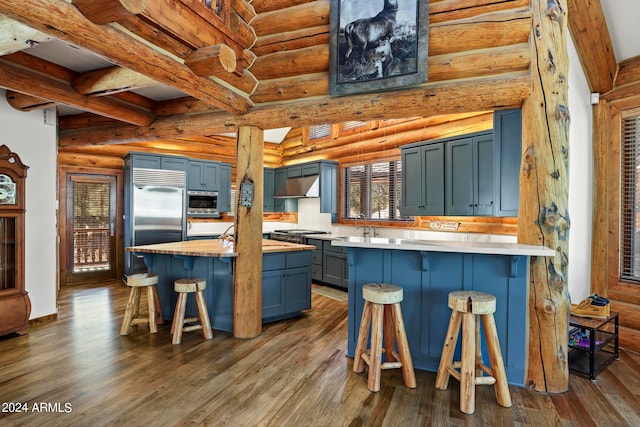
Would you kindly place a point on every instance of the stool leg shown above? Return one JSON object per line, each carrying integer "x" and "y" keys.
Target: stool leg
{"x": 467, "y": 368}
{"x": 363, "y": 337}
{"x": 178, "y": 318}
{"x": 449, "y": 347}
{"x": 375, "y": 355}
{"x": 389, "y": 334}
{"x": 478, "y": 362}
{"x": 151, "y": 304}
{"x": 159, "y": 316}
{"x": 136, "y": 303}
{"x": 203, "y": 315}
{"x": 408, "y": 374}
{"x": 129, "y": 312}
{"x": 501, "y": 386}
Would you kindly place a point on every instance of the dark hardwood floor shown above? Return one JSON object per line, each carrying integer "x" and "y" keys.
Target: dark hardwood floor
{"x": 78, "y": 371}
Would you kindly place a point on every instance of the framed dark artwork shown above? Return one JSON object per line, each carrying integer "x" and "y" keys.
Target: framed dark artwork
{"x": 377, "y": 45}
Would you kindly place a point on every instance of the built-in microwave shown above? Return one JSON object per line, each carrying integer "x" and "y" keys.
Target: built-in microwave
{"x": 202, "y": 203}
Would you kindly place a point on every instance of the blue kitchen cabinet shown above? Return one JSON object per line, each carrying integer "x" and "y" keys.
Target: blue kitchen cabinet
{"x": 286, "y": 284}
{"x": 202, "y": 175}
{"x": 268, "y": 204}
{"x": 155, "y": 161}
{"x": 507, "y": 129}
{"x": 422, "y": 179}
{"x": 224, "y": 190}
{"x": 469, "y": 175}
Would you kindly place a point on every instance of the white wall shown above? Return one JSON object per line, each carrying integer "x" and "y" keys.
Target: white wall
{"x": 27, "y": 135}
{"x": 580, "y": 179}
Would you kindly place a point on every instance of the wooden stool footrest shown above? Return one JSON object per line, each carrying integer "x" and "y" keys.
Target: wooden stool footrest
{"x": 192, "y": 328}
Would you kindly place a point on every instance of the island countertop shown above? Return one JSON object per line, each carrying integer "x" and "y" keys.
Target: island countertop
{"x": 492, "y": 248}
{"x": 214, "y": 248}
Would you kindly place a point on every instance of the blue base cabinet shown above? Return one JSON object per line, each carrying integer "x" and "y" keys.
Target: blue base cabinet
{"x": 286, "y": 285}
{"x": 426, "y": 279}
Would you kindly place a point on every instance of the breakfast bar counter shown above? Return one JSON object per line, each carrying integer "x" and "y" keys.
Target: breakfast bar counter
{"x": 286, "y": 277}
{"x": 428, "y": 270}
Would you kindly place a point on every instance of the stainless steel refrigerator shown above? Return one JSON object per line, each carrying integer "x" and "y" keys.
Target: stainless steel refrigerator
{"x": 155, "y": 212}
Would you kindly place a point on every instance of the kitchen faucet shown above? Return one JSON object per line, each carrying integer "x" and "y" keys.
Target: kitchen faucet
{"x": 364, "y": 224}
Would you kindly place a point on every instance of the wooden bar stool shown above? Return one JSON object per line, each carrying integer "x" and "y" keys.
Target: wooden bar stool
{"x": 466, "y": 306}
{"x": 132, "y": 312}
{"x": 382, "y": 316}
{"x": 184, "y": 287}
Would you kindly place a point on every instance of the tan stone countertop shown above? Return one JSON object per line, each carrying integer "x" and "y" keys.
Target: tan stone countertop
{"x": 214, "y": 248}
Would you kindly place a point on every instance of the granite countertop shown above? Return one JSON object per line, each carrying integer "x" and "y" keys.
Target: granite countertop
{"x": 493, "y": 248}
{"x": 214, "y": 248}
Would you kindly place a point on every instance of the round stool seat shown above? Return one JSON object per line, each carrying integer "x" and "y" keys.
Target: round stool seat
{"x": 472, "y": 302}
{"x": 142, "y": 279}
{"x": 382, "y": 293}
{"x": 189, "y": 285}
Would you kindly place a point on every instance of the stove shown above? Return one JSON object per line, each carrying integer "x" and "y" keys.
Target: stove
{"x": 294, "y": 235}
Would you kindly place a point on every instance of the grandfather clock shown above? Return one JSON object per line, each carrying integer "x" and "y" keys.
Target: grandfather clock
{"x": 15, "y": 305}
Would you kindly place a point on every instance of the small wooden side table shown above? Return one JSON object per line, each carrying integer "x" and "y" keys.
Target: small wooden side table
{"x": 590, "y": 355}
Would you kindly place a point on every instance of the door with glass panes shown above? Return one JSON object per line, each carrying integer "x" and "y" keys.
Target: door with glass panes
{"x": 91, "y": 228}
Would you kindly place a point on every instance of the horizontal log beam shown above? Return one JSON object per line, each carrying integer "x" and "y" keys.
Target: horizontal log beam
{"x": 628, "y": 72}
{"x": 110, "y": 80}
{"x": 293, "y": 18}
{"x": 262, "y": 6}
{"x": 292, "y": 40}
{"x": 314, "y": 59}
{"x": 212, "y": 60}
{"x": 62, "y": 20}
{"x": 467, "y": 95}
{"x": 17, "y": 79}
{"x": 23, "y": 102}
{"x": 449, "y": 10}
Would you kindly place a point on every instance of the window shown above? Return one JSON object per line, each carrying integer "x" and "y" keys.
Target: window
{"x": 630, "y": 200}
{"x": 319, "y": 131}
{"x": 373, "y": 190}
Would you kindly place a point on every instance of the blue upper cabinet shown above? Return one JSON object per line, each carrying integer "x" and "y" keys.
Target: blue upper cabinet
{"x": 423, "y": 180}
{"x": 475, "y": 174}
{"x": 469, "y": 176}
{"x": 156, "y": 161}
{"x": 203, "y": 176}
{"x": 507, "y": 128}
{"x": 268, "y": 204}
{"x": 224, "y": 190}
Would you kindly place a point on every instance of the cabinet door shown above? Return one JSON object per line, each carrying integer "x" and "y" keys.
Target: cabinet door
{"x": 194, "y": 176}
{"x": 272, "y": 293}
{"x": 310, "y": 169}
{"x": 507, "y": 126}
{"x": 294, "y": 171}
{"x": 329, "y": 189}
{"x": 483, "y": 175}
{"x": 432, "y": 181}
{"x": 459, "y": 181}
{"x": 224, "y": 192}
{"x": 145, "y": 161}
{"x": 297, "y": 289}
{"x": 173, "y": 163}
{"x": 280, "y": 179}
{"x": 334, "y": 267}
{"x": 268, "y": 204}
{"x": 210, "y": 176}
{"x": 411, "y": 192}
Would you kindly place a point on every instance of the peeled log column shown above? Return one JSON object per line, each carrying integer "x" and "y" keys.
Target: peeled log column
{"x": 247, "y": 277}
{"x": 544, "y": 186}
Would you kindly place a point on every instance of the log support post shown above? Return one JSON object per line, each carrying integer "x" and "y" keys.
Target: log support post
{"x": 247, "y": 275}
{"x": 544, "y": 187}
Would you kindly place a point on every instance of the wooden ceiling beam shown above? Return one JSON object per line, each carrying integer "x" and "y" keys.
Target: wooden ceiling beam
{"x": 110, "y": 80}
{"x": 465, "y": 95}
{"x": 64, "y": 21}
{"x": 590, "y": 35}
{"x": 18, "y": 79}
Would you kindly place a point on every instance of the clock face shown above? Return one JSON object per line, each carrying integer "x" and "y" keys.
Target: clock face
{"x": 7, "y": 190}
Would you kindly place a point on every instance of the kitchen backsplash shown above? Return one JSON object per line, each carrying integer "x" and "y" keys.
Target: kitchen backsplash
{"x": 309, "y": 218}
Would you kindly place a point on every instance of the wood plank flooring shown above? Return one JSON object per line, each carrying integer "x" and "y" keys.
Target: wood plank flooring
{"x": 295, "y": 374}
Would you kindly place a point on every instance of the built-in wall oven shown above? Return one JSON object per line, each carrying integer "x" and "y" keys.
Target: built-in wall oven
{"x": 202, "y": 203}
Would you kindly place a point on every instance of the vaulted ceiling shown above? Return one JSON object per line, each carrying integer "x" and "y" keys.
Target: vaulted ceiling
{"x": 215, "y": 65}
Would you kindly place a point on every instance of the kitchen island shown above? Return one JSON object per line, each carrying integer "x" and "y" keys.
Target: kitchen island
{"x": 286, "y": 277}
{"x": 428, "y": 270}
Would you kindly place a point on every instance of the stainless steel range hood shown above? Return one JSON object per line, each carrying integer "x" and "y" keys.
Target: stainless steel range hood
{"x": 300, "y": 187}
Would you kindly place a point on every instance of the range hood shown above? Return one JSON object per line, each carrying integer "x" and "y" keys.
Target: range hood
{"x": 299, "y": 187}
